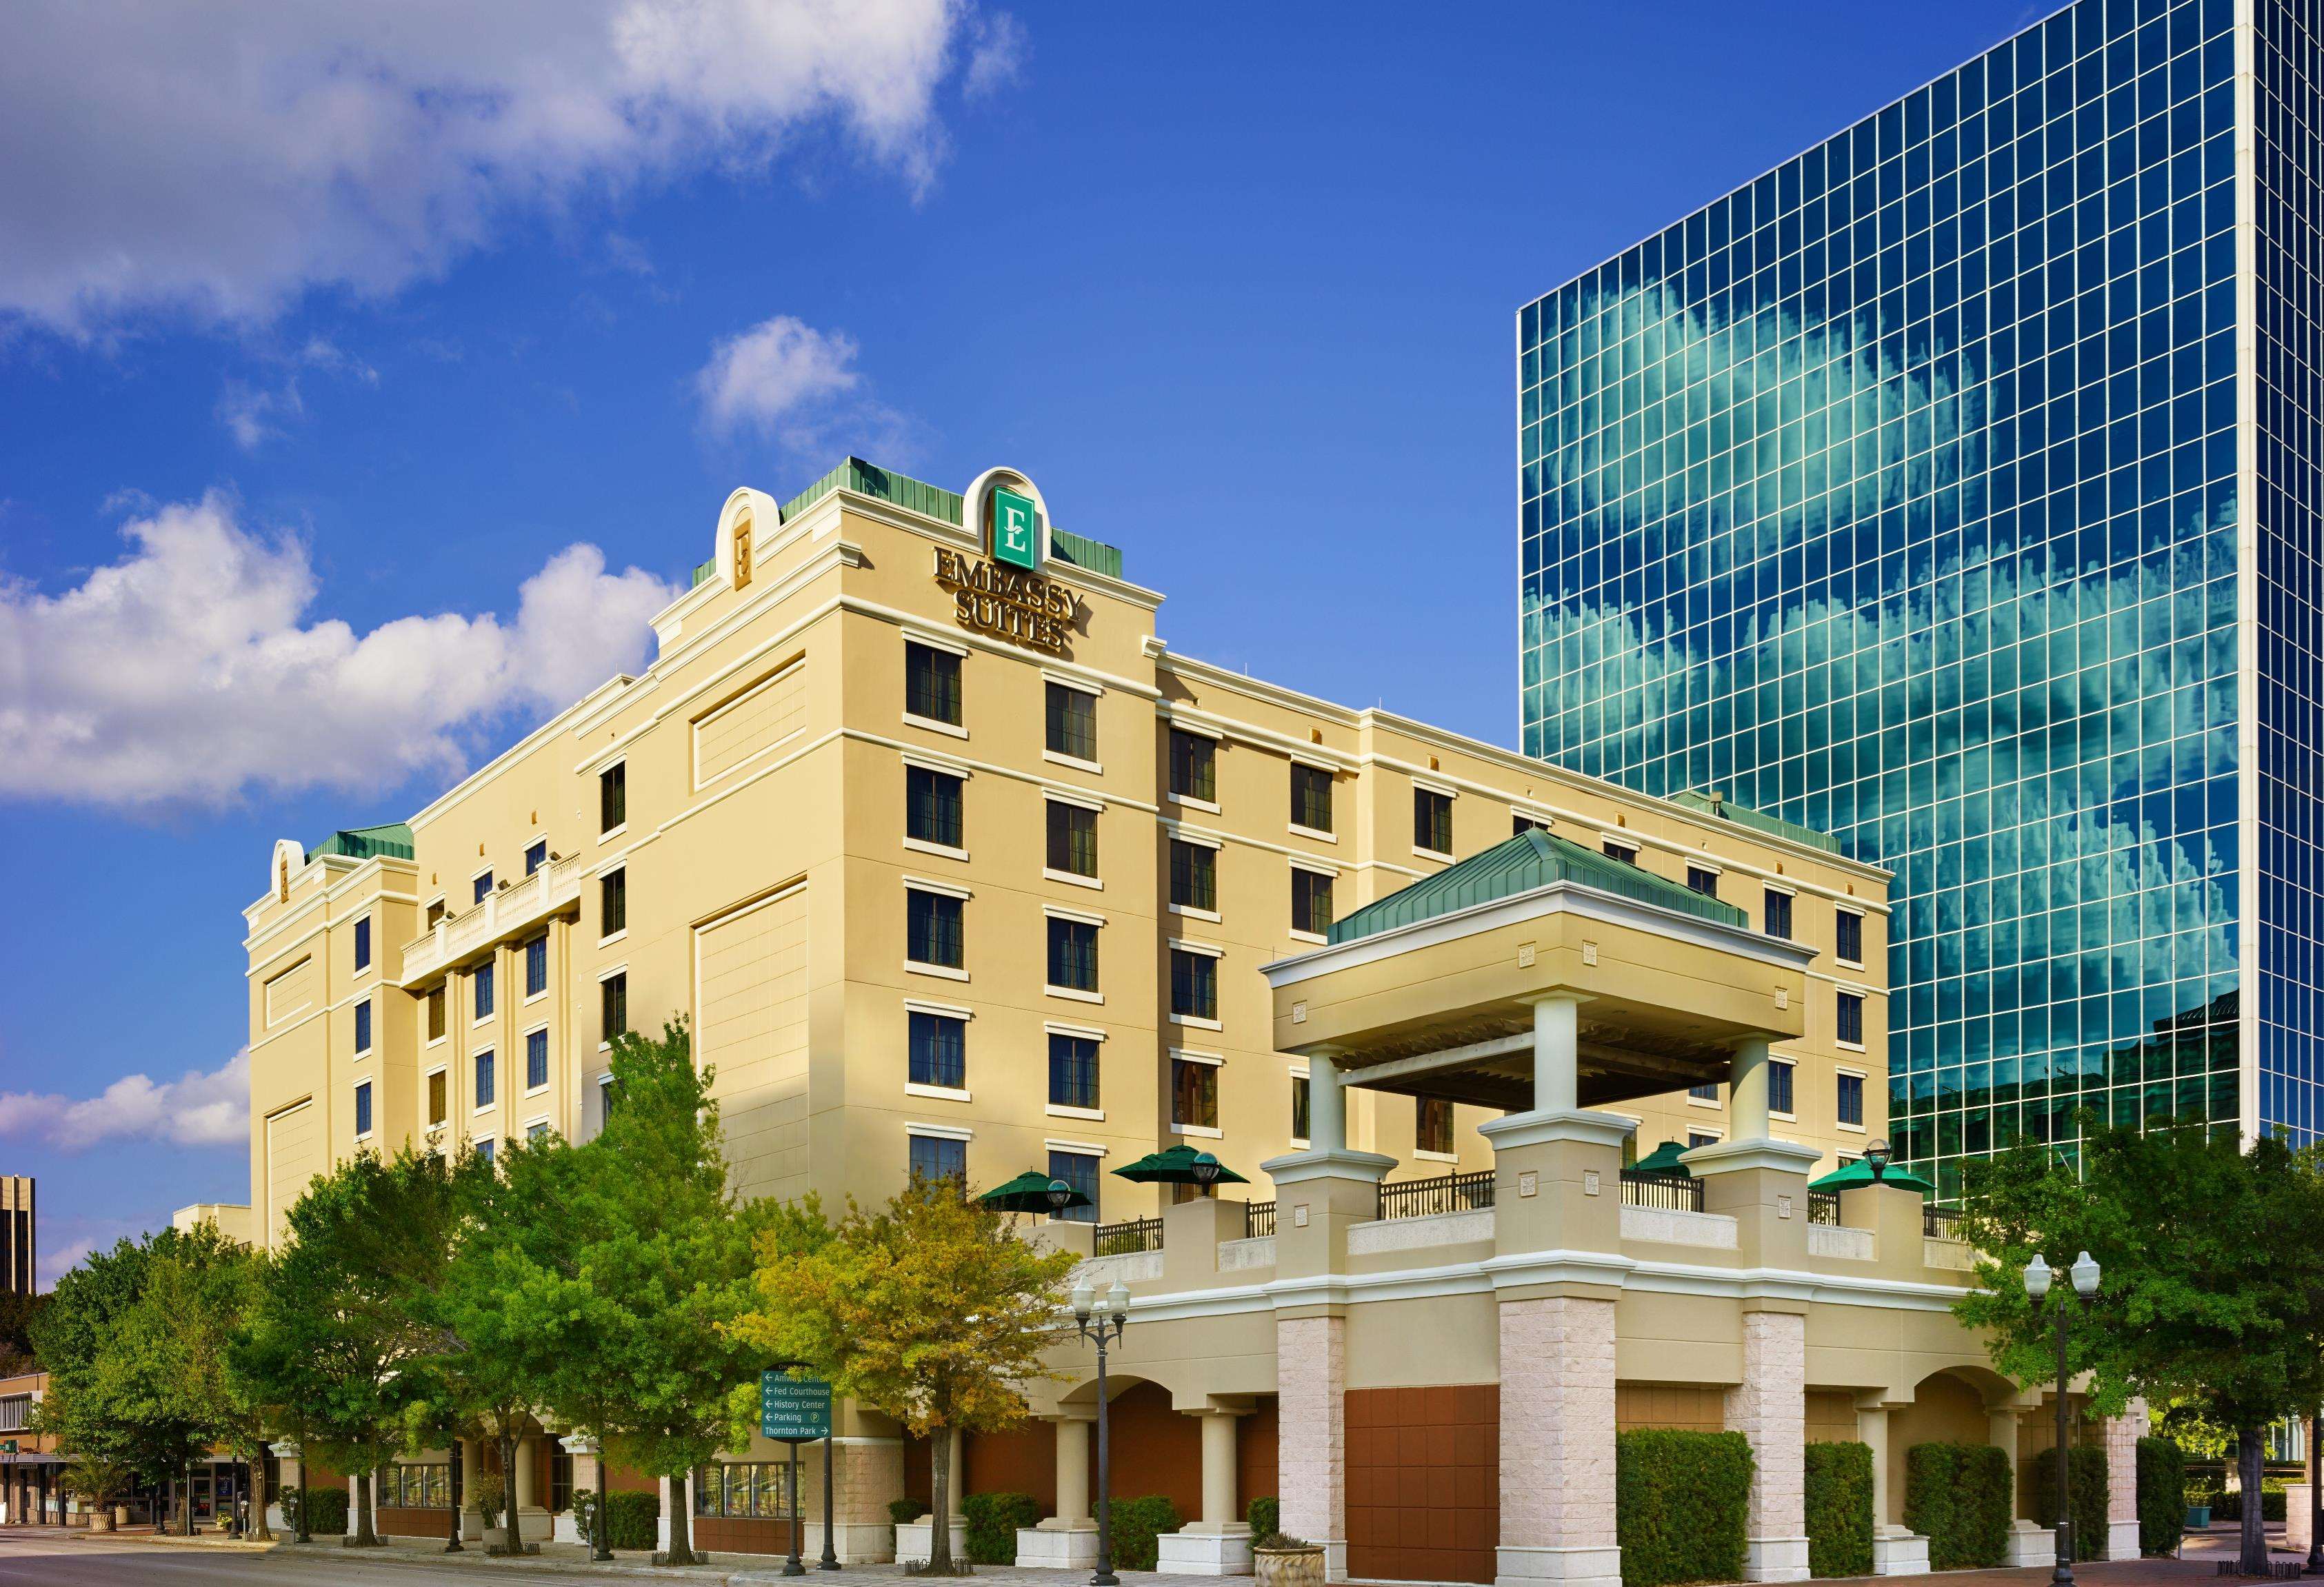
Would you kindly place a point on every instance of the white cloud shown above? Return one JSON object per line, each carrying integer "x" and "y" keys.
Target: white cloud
{"x": 996, "y": 57}
{"x": 196, "y": 1109}
{"x": 187, "y": 674}
{"x": 182, "y": 157}
{"x": 786, "y": 379}
{"x": 254, "y": 415}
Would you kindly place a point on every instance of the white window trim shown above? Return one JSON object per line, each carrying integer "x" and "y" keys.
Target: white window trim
{"x": 1077, "y": 1148}
{"x": 1312, "y": 834}
{"x": 1712, "y": 1103}
{"x": 1785, "y": 888}
{"x": 1074, "y": 879}
{"x": 942, "y": 851}
{"x": 942, "y": 889}
{"x": 1210, "y": 806}
{"x": 1329, "y": 769}
{"x": 1296, "y": 935}
{"x": 1216, "y": 1060}
{"x": 1527, "y": 813}
{"x": 1192, "y": 945}
{"x": 1431, "y": 785}
{"x": 1197, "y": 840}
{"x": 1059, "y": 911}
{"x": 930, "y": 724}
{"x": 950, "y": 1011}
{"x": 1716, "y": 1136}
{"x": 1849, "y": 1046}
{"x": 1316, "y": 868}
{"x": 1079, "y": 1032}
{"x": 1073, "y": 994}
{"x": 1067, "y": 681}
{"x": 368, "y": 1134}
{"x": 1793, "y": 1065}
{"x": 1078, "y": 800}
{"x": 1201, "y": 1132}
{"x": 1425, "y": 1155}
{"x": 1606, "y": 847}
{"x": 940, "y": 767}
{"x": 622, "y": 968}
{"x": 1195, "y": 913}
{"x": 938, "y": 1131}
{"x": 938, "y": 1093}
{"x": 913, "y": 966}
{"x": 1058, "y": 1110}
{"x": 1096, "y": 769}
{"x": 540, "y": 1121}
{"x": 1697, "y": 863}
{"x": 1421, "y": 853}
{"x": 936, "y": 641}
{"x": 1196, "y": 1022}
{"x": 620, "y": 936}
{"x": 610, "y": 833}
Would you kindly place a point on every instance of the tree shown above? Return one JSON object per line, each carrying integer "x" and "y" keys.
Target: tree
{"x": 199, "y": 1290}
{"x": 2213, "y": 1277}
{"x": 930, "y": 1311}
{"x": 17, "y": 1313}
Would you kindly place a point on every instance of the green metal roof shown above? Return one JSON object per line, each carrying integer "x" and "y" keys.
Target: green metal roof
{"x": 1531, "y": 860}
{"x": 1083, "y": 552}
{"x": 867, "y": 478}
{"x": 1725, "y": 809}
{"x": 394, "y": 840}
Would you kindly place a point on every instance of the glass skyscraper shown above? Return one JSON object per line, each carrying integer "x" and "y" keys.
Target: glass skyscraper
{"x": 1952, "y": 487}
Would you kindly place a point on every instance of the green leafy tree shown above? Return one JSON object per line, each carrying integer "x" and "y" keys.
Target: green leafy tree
{"x": 200, "y": 1288}
{"x": 2213, "y": 1276}
{"x": 17, "y": 1313}
{"x": 930, "y": 1311}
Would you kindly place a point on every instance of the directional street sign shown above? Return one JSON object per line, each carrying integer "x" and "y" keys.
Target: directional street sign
{"x": 793, "y": 1409}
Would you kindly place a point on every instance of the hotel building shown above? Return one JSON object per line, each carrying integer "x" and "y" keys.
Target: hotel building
{"x": 1951, "y": 487}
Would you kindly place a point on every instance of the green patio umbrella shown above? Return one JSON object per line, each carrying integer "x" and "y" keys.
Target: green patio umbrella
{"x": 1180, "y": 1165}
{"x": 1030, "y": 1191}
{"x": 1664, "y": 1159}
{"x": 1857, "y": 1174}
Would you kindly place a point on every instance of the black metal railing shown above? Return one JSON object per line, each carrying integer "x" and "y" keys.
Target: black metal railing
{"x": 1670, "y": 1192}
{"x": 1423, "y": 1198}
{"x": 1258, "y": 1219}
{"x": 1940, "y": 1223}
{"x": 1824, "y": 1208}
{"x": 1128, "y": 1238}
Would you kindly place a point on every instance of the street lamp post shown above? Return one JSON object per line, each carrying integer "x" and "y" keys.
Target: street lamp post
{"x": 1094, "y": 1314}
{"x": 2315, "y": 1567}
{"x": 452, "y": 1480}
{"x": 2084, "y": 1274}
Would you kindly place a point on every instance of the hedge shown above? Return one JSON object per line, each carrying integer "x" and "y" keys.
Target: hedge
{"x": 1266, "y": 1517}
{"x": 1839, "y": 1509}
{"x": 1138, "y": 1528}
{"x": 2086, "y": 1496}
{"x": 993, "y": 1522}
{"x": 631, "y": 1520}
{"x": 904, "y": 1511}
{"x": 2229, "y": 1507}
{"x": 1960, "y": 1496}
{"x": 2162, "y": 1496}
{"x": 328, "y": 1516}
{"x": 1680, "y": 1502}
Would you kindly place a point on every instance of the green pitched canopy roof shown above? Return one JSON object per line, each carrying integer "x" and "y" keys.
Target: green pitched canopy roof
{"x": 1857, "y": 1173}
{"x": 1533, "y": 859}
{"x": 362, "y": 842}
{"x": 1665, "y": 1160}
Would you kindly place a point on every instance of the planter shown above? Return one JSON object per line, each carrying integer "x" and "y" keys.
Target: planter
{"x": 120, "y": 1514}
{"x": 1288, "y": 1567}
{"x": 100, "y": 1520}
{"x": 2198, "y": 1515}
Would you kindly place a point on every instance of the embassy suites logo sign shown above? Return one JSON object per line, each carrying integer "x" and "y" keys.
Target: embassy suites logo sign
{"x": 1004, "y": 594}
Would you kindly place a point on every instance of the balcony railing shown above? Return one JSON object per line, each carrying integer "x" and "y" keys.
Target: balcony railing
{"x": 1128, "y": 1238}
{"x": 1424, "y": 1198}
{"x": 1824, "y": 1208}
{"x": 503, "y": 913}
{"x": 1667, "y": 1192}
{"x": 1940, "y": 1223}
{"x": 1258, "y": 1219}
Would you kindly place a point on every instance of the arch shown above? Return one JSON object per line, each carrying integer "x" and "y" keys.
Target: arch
{"x": 980, "y": 491}
{"x": 289, "y": 858}
{"x": 753, "y": 514}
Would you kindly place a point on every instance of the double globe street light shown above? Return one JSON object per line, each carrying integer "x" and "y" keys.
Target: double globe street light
{"x": 1102, "y": 1319}
{"x": 2039, "y": 1276}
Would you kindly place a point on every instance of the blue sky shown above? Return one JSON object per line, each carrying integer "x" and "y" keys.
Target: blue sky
{"x": 375, "y": 315}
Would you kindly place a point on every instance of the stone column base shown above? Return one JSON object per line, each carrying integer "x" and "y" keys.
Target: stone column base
{"x": 567, "y": 1528}
{"x": 1575, "y": 1567}
{"x": 2298, "y": 1514}
{"x": 2121, "y": 1540}
{"x": 1057, "y": 1547}
{"x": 1206, "y": 1550}
{"x": 1898, "y": 1553}
{"x": 857, "y": 1542}
{"x": 2030, "y": 1544}
{"x": 914, "y": 1540}
{"x": 1776, "y": 1559}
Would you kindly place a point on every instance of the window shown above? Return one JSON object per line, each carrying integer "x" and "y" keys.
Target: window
{"x": 613, "y": 797}
{"x": 1072, "y": 722}
{"x": 1193, "y": 876}
{"x": 538, "y": 1131}
{"x": 931, "y": 683}
{"x": 1311, "y": 797}
{"x": 484, "y": 887}
{"x": 939, "y": 1055}
{"x": 1621, "y": 853}
{"x": 1779, "y": 1086}
{"x": 1194, "y": 766}
{"x": 932, "y": 928}
{"x": 1847, "y": 936}
{"x": 1073, "y": 954}
{"x": 363, "y": 943}
{"x": 1311, "y": 901}
{"x": 1433, "y": 1125}
{"x": 1695, "y": 1138}
{"x": 483, "y": 1150}
{"x": 536, "y": 857}
{"x": 932, "y": 807}
{"x": 485, "y": 1078}
{"x": 1195, "y": 1092}
{"x": 1699, "y": 880}
{"x": 1079, "y": 1170}
{"x": 1851, "y": 1100}
{"x": 614, "y": 903}
{"x": 740, "y": 1488}
{"x": 439, "y": 1099}
{"x": 607, "y": 1095}
{"x": 1431, "y": 820}
{"x": 1194, "y": 985}
{"x": 436, "y": 910}
{"x": 939, "y": 1157}
{"x": 1706, "y": 1092}
{"x": 1776, "y": 914}
{"x": 561, "y": 1464}
{"x": 536, "y": 1059}
{"x": 1073, "y": 1071}
{"x": 363, "y": 1026}
{"x": 1851, "y": 1018}
{"x": 363, "y": 1108}
{"x": 1073, "y": 839}
{"x": 536, "y": 966}
{"x": 1521, "y": 823}
{"x": 1299, "y": 1107}
{"x": 436, "y": 1014}
{"x": 613, "y": 1007}
{"x": 481, "y": 978}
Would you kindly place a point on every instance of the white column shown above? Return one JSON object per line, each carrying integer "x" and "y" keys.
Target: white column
{"x": 1219, "y": 1471}
{"x": 1219, "y": 1544}
{"x": 1327, "y": 1115}
{"x": 1769, "y": 1407}
{"x": 1746, "y": 1088}
{"x": 1895, "y": 1552}
{"x": 521, "y": 1483}
{"x": 1556, "y": 1054}
{"x": 1072, "y": 1472}
{"x": 2030, "y": 1543}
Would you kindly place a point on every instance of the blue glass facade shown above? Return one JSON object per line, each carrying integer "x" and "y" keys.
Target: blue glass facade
{"x": 1903, "y": 493}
